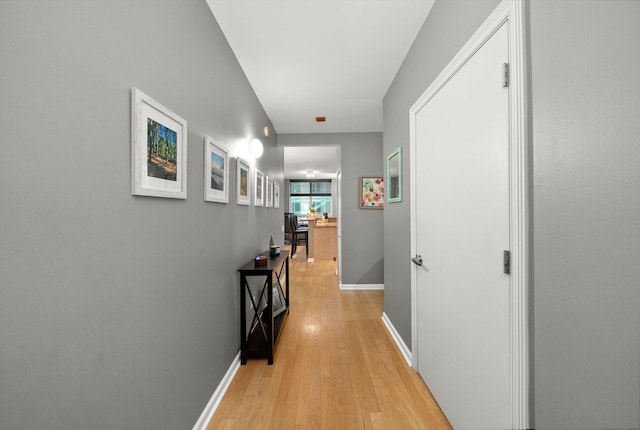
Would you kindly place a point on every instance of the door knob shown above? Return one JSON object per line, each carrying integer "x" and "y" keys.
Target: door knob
{"x": 417, "y": 260}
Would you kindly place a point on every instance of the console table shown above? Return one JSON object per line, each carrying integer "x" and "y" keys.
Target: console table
{"x": 260, "y": 339}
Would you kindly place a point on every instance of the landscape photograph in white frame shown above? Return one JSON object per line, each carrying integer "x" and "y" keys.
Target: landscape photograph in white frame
{"x": 243, "y": 181}
{"x": 269, "y": 192}
{"x": 259, "y": 189}
{"x": 216, "y": 172}
{"x": 276, "y": 194}
{"x": 158, "y": 149}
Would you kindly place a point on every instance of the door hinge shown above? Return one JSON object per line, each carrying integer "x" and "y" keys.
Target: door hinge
{"x": 506, "y": 262}
{"x": 505, "y": 74}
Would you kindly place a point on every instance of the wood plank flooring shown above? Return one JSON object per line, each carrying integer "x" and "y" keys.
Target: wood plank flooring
{"x": 335, "y": 367}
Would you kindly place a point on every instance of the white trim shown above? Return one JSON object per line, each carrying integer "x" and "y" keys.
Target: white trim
{"x": 214, "y": 402}
{"x": 404, "y": 349}
{"x": 348, "y": 287}
{"x": 339, "y": 190}
{"x": 519, "y": 220}
{"x": 512, "y": 12}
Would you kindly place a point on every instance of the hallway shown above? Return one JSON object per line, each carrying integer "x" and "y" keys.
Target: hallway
{"x": 335, "y": 367}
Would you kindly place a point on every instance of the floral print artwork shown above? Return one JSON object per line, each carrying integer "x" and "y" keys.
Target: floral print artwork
{"x": 371, "y": 192}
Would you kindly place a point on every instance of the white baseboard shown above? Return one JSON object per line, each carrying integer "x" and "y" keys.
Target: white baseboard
{"x": 406, "y": 352}
{"x": 361, "y": 286}
{"x": 214, "y": 402}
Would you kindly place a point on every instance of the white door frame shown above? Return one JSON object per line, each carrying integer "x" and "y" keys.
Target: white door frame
{"x": 513, "y": 12}
{"x": 339, "y": 203}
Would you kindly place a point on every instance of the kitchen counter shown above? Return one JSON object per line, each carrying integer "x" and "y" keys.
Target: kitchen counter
{"x": 323, "y": 239}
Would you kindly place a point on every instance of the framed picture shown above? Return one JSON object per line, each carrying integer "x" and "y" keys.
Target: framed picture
{"x": 158, "y": 149}
{"x": 242, "y": 173}
{"x": 371, "y": 192}
{"x": 394, "y": 176}
{"x": 269, "y": 191}
{"x": 276, "y": 195}
{"x": 259, "y": 189}
{"x": 279, "y": 303}
{"x": 216, "y": 172}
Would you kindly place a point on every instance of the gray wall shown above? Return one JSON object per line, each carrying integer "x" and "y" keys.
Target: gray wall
{"x": 117, "y": 312}
{"x": 585, "y": 205}
{"x": 447, "y": 28}
{"x": 585, "y": 85}
{"x": 362, "y": 241}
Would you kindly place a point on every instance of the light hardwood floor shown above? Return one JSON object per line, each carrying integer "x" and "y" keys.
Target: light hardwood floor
{"x": 335, "y": 367}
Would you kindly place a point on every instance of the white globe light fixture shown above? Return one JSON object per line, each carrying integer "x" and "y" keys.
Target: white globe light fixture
{"x": 255, "y": 147}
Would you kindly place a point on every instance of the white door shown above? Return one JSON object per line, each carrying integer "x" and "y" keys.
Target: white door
{"x": 462, "y": 230}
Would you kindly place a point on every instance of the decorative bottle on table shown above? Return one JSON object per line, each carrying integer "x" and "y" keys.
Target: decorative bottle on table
{"x": 273, "y": 248}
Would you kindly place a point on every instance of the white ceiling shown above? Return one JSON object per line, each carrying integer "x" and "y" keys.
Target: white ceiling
{"x": 332, "y": 58}
{"x": 322, "y": 160}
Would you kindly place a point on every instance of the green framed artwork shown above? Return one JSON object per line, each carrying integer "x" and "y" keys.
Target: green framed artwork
{"x": 394, "y": 176}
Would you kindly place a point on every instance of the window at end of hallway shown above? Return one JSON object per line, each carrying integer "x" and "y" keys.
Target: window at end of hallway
{"x": 304, "y": 195}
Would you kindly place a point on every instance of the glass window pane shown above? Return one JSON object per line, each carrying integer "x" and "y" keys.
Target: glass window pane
{"x": 322, "y": 204}
{"x": 321, "y": 187}
{"x": 299, "y": 205}
{"x": 300, "y": 188}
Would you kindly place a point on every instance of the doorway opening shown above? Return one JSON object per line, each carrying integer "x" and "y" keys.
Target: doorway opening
{"x": 312, "y": 192}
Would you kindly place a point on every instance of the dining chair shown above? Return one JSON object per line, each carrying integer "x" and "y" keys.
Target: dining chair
{"x": 298, "y": 235}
